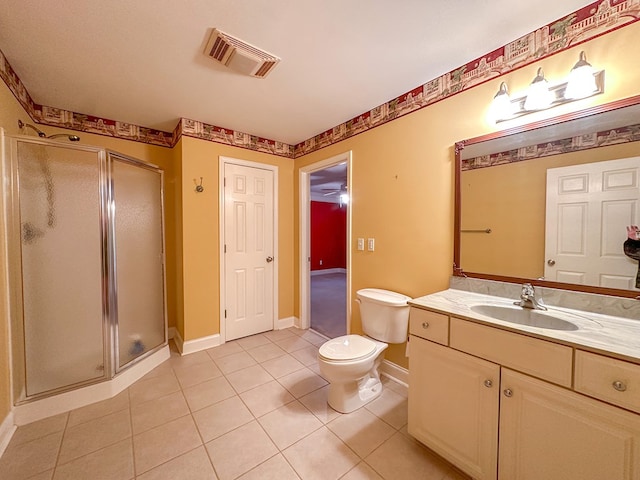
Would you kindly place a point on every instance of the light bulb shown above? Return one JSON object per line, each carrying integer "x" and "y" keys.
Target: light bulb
{"x": 538, "y": 97}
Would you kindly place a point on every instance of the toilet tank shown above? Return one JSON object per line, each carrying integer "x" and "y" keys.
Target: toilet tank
{"x": 384, "y": 314}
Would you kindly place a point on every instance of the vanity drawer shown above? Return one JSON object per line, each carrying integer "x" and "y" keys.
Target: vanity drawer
{"x": 536, "y": 357}
{"x": 429, "y": 325}
{"x": 608, "y": 379}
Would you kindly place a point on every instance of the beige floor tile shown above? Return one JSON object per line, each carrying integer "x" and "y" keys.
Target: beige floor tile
{"x": 48, "y": 475}
{"x": 208, "y": 393}
{"x": 234, "y": 362}
{"x": 248, "y": 378}
{"x": 401, "y": 457}
{"x": 362, "y": 471}
{"x": 221, "y": 418}
{"x": 30, "y": 458}
{"x": 317, "y": 402}
{"x": 390, "y": 407}
{"x": 95, "y": 434}
{"x": 266, "y": 352}
{"x": 99, "y": 409}
{"x": 315, "y": 368}
{"x": 266, "y": 398}
{"x": 276, "y": 468}
{"x": 306, "y": 356}
{"x": 161, "y": 444}
{"x": 292, "y": 343}
{"x": 294, "y": 330}
{"x": 39, "y": 429}
{"x": 224, "y": 350}
{"x": 193, "y": 465}
{"x": 281, "y": 366}
{"x": 195, "y": 374}
{"x": 182, "y": 361}
{"x": 240, "y": 450}
{"x": 277, "y": 335}
{"x": 302, "y": 382}
{"x": 322, "y": 456}
{"x": 147, "y": 415}
{"x": 156, "y": 387}
{"x": 399, "y": 388}
{"x": 253, "y": 341}
{"x": 361, "y": 430}
{"x": 313, "y": 338}
{"x": 162, "y": 369}
{"x": 289, "y": 423}
{"x": 111, "y": 463}
{"x": 455, "y": 474}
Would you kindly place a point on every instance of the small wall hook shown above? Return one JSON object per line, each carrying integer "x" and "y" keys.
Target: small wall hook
{"x": 199, "y": 187}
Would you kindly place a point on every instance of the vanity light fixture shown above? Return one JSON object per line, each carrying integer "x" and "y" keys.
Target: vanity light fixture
{"x": 582, "y": 82}
{"x": 539, "y": 96}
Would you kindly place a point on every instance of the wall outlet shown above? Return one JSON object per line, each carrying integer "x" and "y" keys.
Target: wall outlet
{"x": 361, "y": 244}
{"x": 371, "y": 244}
{"x": 320, "y": 262}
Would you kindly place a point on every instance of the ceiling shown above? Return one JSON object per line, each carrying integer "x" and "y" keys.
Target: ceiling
{"x": 141, "y": 61}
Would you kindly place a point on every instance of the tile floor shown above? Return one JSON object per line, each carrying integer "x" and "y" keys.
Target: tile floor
{"x": 254, "y": 408}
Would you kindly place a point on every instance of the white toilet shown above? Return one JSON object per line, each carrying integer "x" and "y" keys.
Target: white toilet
{"x": 351, "y": 363}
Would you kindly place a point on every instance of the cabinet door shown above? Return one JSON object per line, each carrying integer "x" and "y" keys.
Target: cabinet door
{"x": 453, "y": 406}
{"x": 547, "y": 432}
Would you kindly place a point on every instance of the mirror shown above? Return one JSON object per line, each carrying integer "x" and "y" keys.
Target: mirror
{"x": 548, "y": 203}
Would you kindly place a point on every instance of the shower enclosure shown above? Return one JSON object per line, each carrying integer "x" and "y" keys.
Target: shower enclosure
{"x": 86, "y": 249}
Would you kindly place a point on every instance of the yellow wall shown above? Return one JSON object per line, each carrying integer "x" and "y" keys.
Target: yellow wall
{"x": 200, "y": 233}
{"x": 501, "y": 196}
{"x": 403, "y": 173}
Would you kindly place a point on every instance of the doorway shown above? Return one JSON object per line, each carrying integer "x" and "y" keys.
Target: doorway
{"x": 325, "y": 237}
{"x": 248, "y": 240}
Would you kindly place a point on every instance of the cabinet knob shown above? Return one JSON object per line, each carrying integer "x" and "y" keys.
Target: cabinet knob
{"x": 508, "y": 392}
{"x": 619, "y": 386}
{"x": 425, "y": 324}
{"x": 488, "y": 383}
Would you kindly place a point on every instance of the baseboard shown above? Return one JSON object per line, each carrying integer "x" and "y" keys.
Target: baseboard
{"x": 49, "y": 406}
{"x": 395, "y": 372}
{"x": 197, "y": 345}
{"x": 287, "y": 322}
{"x": 327, "y": 271}
{"x": 7, "y": 429}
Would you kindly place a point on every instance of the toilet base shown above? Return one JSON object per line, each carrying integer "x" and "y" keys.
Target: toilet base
{"x": 349, "y": 396}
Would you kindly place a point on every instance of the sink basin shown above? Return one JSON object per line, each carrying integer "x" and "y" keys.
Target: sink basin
{"x": 524, "y": 316}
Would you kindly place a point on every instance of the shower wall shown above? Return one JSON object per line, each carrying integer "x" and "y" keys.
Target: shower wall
{"x": 87, "y": 279}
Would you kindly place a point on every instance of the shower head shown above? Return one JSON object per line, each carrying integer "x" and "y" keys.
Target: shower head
{"x": 72, "y": 138}
{"x": 41, "y": 134}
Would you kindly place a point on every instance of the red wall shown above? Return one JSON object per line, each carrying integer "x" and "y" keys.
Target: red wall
{"x": 328, "y": 235}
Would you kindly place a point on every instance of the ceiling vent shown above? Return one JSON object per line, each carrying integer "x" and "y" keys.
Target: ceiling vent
{"x": 239, "y": 56}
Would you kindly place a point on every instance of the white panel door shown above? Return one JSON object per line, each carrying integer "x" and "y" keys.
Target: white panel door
{"x": 588, "y": 207}
{"x": 248, "y": 239}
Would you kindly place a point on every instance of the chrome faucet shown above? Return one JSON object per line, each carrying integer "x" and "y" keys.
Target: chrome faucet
{"x": 528, "y": 298}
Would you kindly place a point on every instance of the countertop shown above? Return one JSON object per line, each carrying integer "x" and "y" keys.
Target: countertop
{"x": 606, "y": 334}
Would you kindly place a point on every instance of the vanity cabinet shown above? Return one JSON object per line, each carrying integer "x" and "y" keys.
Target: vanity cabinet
{"x": 453, "y": 406}
{"x": 498, "y": 404}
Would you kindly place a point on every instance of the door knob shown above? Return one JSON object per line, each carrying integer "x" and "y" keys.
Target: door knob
{"x": 551, "y": 263}
{"x": 269, "y": 259}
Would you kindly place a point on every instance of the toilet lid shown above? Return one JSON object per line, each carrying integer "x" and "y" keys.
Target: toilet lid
{"x": 347, "y": 347}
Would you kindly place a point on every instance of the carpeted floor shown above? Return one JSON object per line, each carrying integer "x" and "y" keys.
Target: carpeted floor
{"x": 329, "y": 304}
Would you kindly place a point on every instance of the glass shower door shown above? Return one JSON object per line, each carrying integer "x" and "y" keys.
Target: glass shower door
{"x": 62, "y": 269}
{"x": 139, "y": 267}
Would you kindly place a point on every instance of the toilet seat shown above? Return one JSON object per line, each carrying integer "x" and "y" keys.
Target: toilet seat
{"x": 347, "y": 347}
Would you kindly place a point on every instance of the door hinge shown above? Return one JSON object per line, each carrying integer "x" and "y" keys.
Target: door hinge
{"x": 225, "y": 248}
{"x": 225, "y": 313}
{"x": 224, "y": 181}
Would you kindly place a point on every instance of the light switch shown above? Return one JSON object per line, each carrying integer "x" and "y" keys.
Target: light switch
{"x": 361, "y": 244}
{"x": 371, "y": 244}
